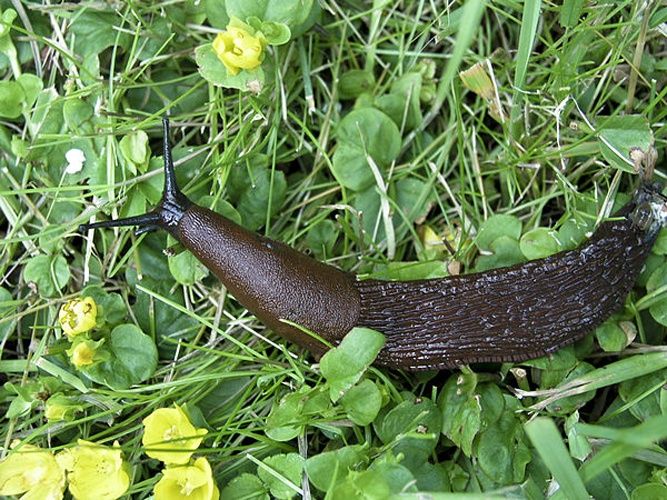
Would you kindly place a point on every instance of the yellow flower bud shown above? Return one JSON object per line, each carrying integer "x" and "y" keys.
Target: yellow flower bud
{"x": 85, "y": 353}
{"x": 95, "y": 471}
{"x": 192, "y": 482}
{"x": 32, "y": 471}
{"x": 169, "y": 436}
{"x": 78, "y": 316}
{"x": 238, "y": 49}
{"x": 60, "y": 407}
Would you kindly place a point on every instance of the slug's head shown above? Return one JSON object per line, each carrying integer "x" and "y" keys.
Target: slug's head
{"x": 168, "y": 211}
{"x": 650, "y": 210}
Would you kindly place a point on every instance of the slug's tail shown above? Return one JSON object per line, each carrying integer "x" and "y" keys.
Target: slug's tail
{"x": 169, "y": 210}
{"x": 518, "y": 312}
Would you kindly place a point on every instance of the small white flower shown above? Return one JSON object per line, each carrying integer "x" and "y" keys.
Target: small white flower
{"x": 75, "y": 159}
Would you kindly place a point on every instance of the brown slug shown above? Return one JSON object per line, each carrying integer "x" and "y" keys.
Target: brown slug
{"x": 508, "y": 314}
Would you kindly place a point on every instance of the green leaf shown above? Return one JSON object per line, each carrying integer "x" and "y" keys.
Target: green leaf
{"x": 362, "y": 402}
{"x": 111, "y": 309}
{"x": 572, "y": 233}
{"x": 135, "y": 151}
{"x": 406, "y": 109}
{"x": 649, "y": 491}
{"x": 623, "y": 137}
{"x": 413, "y": 429}
{"x": 275, "y": 33}
{"x": 501, "y": 449}
{"x": 643, "y": 395}
{"x": 50, "y": 274}
{"x": 398, "y": 478}
{"x": 279, "y": 471}
{"x": 321, "y": 238}
{"x": 294, "y": 411}
{"x": 364, "y": 134}
{"x": 407, "y": 271}
{"x": 538, "y": 243}
{"x": 11, "y": 99}
{"x": 567, "y": 405}
{"x": 461, "y": 411}
{"x": 96, "y": 30}
{"x": 355, "y": 82}
{"x": 495, "y": 227}
{"x": 289, "y": 12}
{"x": 331, "y": 467}
{"x": 367, "y": 485}
{"x": 505, "y": 251}
{"x": 625, "y": 442}
{"x": 133, "y": 359}
{"x": 267, "y": 193}
{"x": 186, "y": 268}
{"x": 578, "y": 445}
{"x": 32, "y": 85}
{"x": 244, "y": 487}
{"x": 344, "y": 365}
{"x": 615, "y": 335}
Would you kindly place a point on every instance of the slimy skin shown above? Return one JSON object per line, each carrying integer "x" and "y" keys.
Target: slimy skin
{"x": 508, "y": 314}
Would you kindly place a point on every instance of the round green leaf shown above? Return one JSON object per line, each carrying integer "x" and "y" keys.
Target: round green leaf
{"x": 364, "y": 134}
{"x": 329, "y": 467}
{"x": 344, "y": 365}
{"x": 414, "y": 427}
{"x": 275, "y": 33}
{"x": 622, "y": 137}
{"x": 133, "y": 359}
{"x": 288, "y": 466}
{"x": 186, "y": 268}
{"x": 11, "y": 99}
{"x": 50, "y": 274}
{"x": 495, "y": 227}
{"x": 135, "y": 151}
{"x": 243, "y": 487}
{"x": 362, "y": 402}
{"x": 539, "y": 243}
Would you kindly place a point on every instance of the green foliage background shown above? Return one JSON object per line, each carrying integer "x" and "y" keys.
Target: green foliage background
{"x": 361, "y": 140}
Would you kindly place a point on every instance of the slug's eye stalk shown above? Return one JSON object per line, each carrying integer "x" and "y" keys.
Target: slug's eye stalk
{"x": 168, "y": 211}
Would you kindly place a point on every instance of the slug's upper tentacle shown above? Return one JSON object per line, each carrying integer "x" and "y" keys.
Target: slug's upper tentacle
{"x": 168, "y": 212}
{"x": 519, "y": 312}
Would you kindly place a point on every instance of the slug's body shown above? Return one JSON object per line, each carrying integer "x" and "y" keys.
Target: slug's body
{"x": 508, "y": 314}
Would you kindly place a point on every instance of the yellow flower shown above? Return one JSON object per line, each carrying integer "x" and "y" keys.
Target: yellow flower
{"x": 86, "y": 353}
{"x": 238, "y": 49}
{"x": 94, "y": 471}
{"x": 169, "y": 436}
{"x": 192, "y": 482}
{"x": 78, "y": 316}
{"x": 32, "y": 471}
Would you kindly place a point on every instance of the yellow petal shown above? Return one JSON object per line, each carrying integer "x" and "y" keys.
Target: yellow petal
{"x": 95, "y": 471}
{"x": 78, "y": 316}
{"x": 32, "y": 471}
{"x": 169, "y": 436}
{"x": 238, "y": 49}
{"x": 192, "y": 482}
